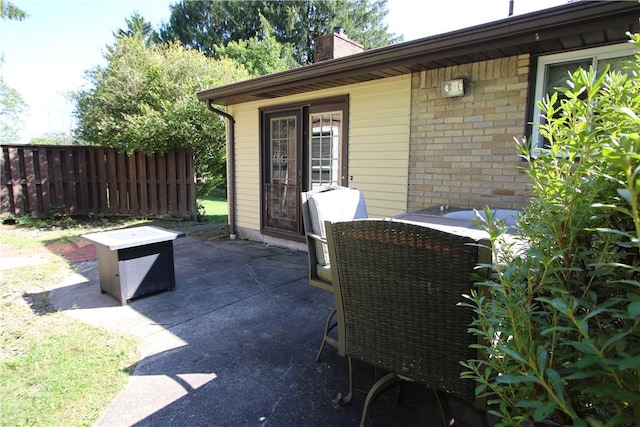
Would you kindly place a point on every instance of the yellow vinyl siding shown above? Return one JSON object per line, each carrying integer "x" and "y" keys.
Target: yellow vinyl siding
{"x": 379, "y": 145}
{"x": 247, "y": 175}
{"x": 379, "y": 121}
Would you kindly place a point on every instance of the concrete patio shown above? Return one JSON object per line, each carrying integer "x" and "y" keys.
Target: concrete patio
{"x": 234, "y": 345}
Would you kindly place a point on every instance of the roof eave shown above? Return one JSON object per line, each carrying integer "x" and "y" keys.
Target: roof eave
{"x": 518, "y": 29}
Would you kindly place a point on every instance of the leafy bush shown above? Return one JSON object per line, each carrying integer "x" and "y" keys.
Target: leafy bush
{"x": 559, "y": 323}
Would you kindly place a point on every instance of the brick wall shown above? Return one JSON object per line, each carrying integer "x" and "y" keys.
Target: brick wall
{"x": 462, "y": 150}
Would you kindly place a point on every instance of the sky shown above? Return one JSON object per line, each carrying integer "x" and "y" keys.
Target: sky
{"x": 45, "y": 56}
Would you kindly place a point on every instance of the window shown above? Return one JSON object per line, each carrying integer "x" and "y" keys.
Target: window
{"x": 326, "y": 131}
{"x": 553, "y": 71}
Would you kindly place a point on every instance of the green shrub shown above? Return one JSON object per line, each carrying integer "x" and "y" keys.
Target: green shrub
{"x": 559, "y": 324}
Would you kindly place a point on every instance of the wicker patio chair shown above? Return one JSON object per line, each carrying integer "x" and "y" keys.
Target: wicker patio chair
{"x": 332, "y": 203}
{"x": 397, "y": 286}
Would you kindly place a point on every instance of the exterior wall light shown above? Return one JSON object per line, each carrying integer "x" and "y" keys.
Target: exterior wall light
{"x": 452, "y": 88}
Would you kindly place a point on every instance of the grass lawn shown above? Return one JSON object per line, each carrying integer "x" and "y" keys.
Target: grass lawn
{"x": 215, "y": 207}
{"x": 53, "y": 370}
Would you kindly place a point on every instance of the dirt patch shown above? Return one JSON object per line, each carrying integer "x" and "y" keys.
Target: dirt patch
{"x": 74, "y": 252}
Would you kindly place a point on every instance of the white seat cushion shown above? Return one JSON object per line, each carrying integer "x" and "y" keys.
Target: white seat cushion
{"x": 344, "y": 204}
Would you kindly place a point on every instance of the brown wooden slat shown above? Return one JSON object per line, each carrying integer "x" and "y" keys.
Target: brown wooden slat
{"x": 123, "y": 196}
{"x": 64, "y": 173}
{"x": 112, "y": 170}
{"x": 92, "y": 177}
{"x": 30, "y": 173}
{"x": 143, "y": 201}
{"x": 172, "y": 202}
{"x": 84, "y": 182}
{"x": 132, "y": 185}
{"x": 5, "y": 182}
{"x": 16, "y": 182}
{"x": 182, "y": 183}
{"x": 45, "y": 181}
{"x": 71, "y": 193}
{"x": 102, "y": 205}
{"x": 92, "y": 180}
{"x": 163, "y": 207}
{"x": 58, "y": 195}
{"x": 191, "y": 174}
{"x": 152, "y": 192}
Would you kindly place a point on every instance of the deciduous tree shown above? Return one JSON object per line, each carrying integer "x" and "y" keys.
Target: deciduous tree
{"x": 145, "y": 99}
{"x": 11, "y": 103}
{"x": 11, "y": 108}
{"x": 10, "y": 11}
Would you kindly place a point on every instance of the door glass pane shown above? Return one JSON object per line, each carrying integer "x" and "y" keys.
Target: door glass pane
{"x": 283, "y": 150}
{"x": 281, "y": 188}
{"x": 325, "y": 135}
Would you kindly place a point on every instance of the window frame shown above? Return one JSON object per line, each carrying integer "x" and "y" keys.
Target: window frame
{"x": 595, "y": 53}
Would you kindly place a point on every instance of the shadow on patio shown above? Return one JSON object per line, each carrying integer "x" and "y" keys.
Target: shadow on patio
{"x": 234, "y": 345}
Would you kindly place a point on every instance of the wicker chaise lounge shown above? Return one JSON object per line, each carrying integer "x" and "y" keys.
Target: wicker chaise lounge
{"x": 397, "y": 286}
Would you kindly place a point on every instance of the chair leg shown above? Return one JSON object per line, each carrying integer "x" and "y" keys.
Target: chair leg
{"x": 330, "y": 325}
{"x": 478, "y": 407}
{"x": 381, "y": 385}
{"x": 379, "y": 373}
{"x": 400, "y": 395}
{"x": 341, "y": 401}
{"x": 445, "y": 410}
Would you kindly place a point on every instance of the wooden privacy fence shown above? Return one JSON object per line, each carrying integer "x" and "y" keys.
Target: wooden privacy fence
{"x": 40, "y": 180}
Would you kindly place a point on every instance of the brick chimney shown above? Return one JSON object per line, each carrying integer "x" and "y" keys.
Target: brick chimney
{"x": 335, "y": 45}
